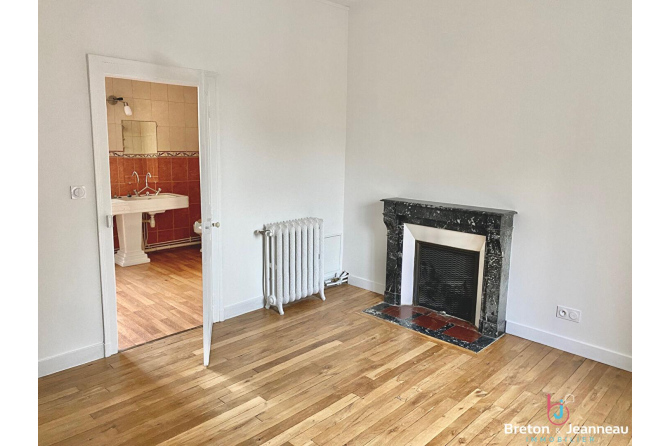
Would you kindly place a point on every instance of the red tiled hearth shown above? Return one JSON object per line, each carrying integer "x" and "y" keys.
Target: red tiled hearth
{"x": 401, "y": 312}
{"x": 464, "y": 334}
{"x": 430, "y": 322}
{"x": 461, "y": 323}
{"x": 442, "y": 327}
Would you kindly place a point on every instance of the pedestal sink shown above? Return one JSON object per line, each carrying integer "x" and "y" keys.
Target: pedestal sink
{"x": 128, "y": 212}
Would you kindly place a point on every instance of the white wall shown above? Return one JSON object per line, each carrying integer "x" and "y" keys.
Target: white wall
{"x": 282, "y": 97}
{"x": 523, "y": 105}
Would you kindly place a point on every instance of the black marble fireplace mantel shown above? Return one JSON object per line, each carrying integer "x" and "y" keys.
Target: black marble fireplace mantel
{"x": 495, "y": 224}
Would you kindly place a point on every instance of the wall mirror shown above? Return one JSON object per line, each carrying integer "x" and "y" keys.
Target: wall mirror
{"x": 139, "y": 137}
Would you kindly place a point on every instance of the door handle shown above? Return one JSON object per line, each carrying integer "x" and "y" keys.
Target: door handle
{"x": 216, "y": 225}
{"x": 110, "y": 222}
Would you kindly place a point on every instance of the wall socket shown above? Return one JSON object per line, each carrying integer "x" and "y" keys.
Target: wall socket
{"x": 569, "y": 314}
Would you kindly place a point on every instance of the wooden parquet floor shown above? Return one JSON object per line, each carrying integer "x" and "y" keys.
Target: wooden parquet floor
{"x": 159, "y": 298}
{"x": 325, "y": 374}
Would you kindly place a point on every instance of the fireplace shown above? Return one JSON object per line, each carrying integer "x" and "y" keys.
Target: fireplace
{"x": 447, "y": 279}
{"x": 452, "y": 259}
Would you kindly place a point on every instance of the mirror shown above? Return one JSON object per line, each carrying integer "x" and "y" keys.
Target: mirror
{"x": 139, "y": 137}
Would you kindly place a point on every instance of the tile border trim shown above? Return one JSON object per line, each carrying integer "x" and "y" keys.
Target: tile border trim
{"x": 181, "y": 154}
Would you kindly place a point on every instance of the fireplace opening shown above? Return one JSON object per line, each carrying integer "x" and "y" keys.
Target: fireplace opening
{"x": 446, "y": 279}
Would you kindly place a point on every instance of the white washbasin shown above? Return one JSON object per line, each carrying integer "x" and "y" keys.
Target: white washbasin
{"x": 151, "y": 204}
{"x": 128, "y": 212}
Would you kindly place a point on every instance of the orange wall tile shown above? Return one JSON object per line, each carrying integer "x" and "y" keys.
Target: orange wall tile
{"x": 174, "y": 108}
{"x": 179, "y": 175}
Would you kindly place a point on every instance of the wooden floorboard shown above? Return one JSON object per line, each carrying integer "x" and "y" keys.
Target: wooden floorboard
{"x": 325, "y": 374}
{"x": 159, "y": 298}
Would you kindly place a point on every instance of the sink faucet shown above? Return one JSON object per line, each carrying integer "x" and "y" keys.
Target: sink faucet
{"x": 147, "y": 187}
{"x": 137, "y": 181}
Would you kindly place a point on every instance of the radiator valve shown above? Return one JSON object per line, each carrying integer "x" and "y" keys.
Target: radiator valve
{"x": 337, "y": 280}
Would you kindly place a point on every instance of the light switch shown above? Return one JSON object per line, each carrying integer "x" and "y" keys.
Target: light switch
{"x": 77, "y": 192}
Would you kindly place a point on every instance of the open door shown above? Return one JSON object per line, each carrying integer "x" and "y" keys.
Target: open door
{"x": 207, "y": 288}
{"x": 100, "y": 67}
{"x": 210, "y": 211}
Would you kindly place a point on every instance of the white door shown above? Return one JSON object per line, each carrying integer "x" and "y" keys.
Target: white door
{"x": 100, "y": 67}
{"x": 207, "y": 291}
{"x": 210, "y": 228}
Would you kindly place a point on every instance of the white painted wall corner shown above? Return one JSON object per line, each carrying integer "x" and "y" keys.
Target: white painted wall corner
{"x": 366, "y": 284}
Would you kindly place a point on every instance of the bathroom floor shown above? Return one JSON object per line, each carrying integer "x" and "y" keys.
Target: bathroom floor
{"x": 159, "y": 298}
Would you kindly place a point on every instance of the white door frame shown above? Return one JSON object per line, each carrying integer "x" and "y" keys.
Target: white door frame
{"x": 100, "y": 67}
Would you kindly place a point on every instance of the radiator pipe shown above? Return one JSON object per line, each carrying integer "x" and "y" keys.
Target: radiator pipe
{"x": 267, "y": 257}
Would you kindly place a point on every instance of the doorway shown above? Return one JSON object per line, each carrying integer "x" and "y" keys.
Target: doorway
{"x": 152, "y": 131}
{"x": 149, "y": 255}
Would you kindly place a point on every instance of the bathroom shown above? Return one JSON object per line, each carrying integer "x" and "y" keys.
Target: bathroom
{"x": 154, "y": 167}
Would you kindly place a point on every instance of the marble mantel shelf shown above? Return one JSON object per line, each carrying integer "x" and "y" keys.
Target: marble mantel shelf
{"x": 450, "y": 207}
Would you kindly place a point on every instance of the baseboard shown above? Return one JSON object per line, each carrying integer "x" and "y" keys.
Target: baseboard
{"x": 230, "y": 311}
{"x": 573, "y": 346}
{"x": 366, "y": 284}
{"x": 172, "y": 244}
{"x": 73, "y": 358}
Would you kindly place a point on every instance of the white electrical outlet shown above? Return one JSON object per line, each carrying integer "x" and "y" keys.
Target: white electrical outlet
{"x": 569, "y": 314}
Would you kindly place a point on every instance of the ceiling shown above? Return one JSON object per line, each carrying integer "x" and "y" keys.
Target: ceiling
{"x": 344, "y": 2}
